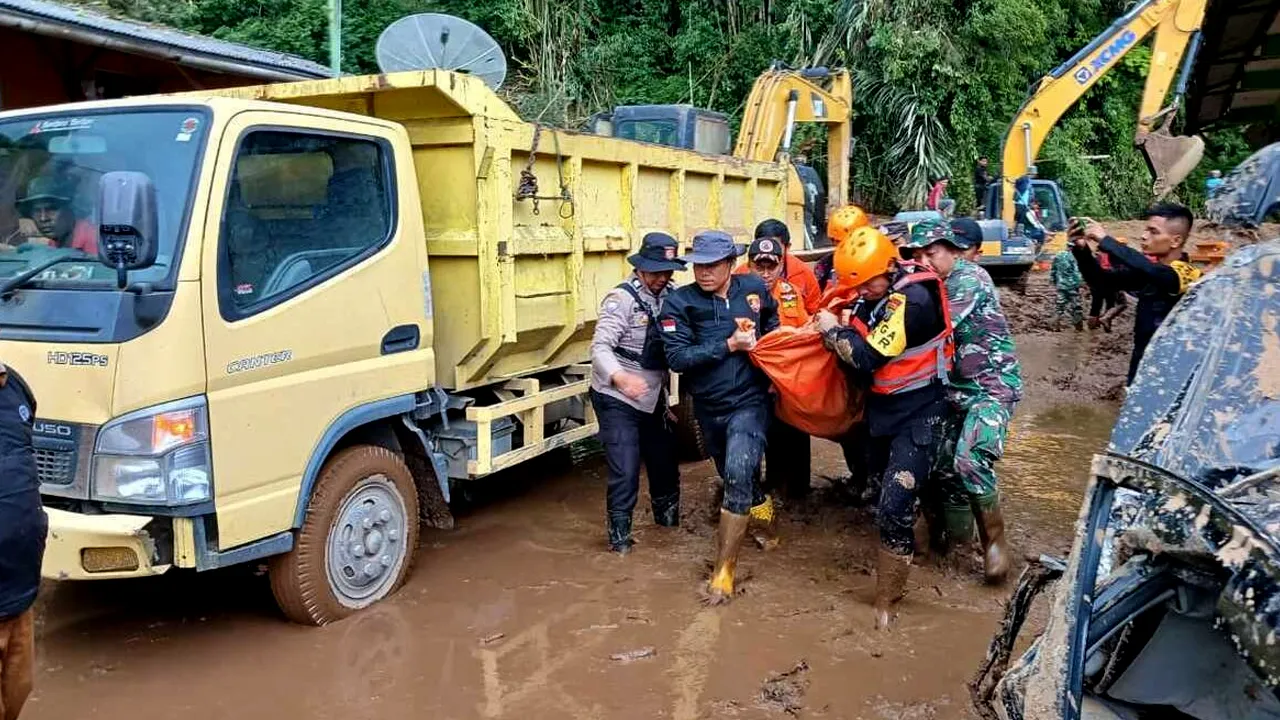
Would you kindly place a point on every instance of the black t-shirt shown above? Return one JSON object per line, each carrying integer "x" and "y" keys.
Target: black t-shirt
{"x": 22, "y": 520}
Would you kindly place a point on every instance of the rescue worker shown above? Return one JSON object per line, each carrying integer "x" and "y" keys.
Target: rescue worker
{"x": 788, "y": 465}
{"x": 708, "y": 327}
{"x": 1159, "y": 275}
{"x": 984, "y": 387}
{"x": 23, "y": 526}
{"x": 794, "y": 270}
{"x": 843, "y": 221}
{"x": 968, "y": 231}
{"x": 898, "y": 340}
{"x": 628, "y": 392}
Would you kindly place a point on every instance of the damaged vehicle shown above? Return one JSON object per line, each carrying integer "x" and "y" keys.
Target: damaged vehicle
{"x": 1169, "y": 604}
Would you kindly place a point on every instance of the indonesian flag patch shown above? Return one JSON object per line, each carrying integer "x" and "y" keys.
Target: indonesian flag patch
{"x": 668, "y": 325}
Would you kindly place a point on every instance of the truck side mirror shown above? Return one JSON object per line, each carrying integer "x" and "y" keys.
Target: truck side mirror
{"x": 127, "y": 224}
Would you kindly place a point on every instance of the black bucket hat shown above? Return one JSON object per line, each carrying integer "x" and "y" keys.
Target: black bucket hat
{"x": 713, "y": 246}
{"x": 657, "y": 254}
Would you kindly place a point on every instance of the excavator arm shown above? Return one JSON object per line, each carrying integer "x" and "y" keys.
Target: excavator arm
{"x": 782, "y": 97}
{"x": 1176, "y": 24}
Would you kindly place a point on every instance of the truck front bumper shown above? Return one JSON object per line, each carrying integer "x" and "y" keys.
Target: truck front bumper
{"x": 100, "y": 547}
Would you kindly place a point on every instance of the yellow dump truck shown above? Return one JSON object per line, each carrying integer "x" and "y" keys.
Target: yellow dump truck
{"x": 275, "y": 322}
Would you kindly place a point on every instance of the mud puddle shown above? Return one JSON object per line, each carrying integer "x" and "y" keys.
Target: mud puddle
{"x": 518, "y": 613}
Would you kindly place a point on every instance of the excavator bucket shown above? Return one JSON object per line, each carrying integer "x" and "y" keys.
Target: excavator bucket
{"x": 1170, "y": 158}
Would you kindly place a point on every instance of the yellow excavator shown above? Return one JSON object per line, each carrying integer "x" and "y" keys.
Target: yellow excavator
{"x": 1176, "y": 27}
{"x": 780, "y": 98}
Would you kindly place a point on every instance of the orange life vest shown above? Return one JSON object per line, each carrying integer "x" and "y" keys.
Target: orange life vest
{"x": 915, "y": 367}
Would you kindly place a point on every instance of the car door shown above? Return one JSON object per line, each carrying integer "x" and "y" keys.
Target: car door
{"x": 313, "y": 301}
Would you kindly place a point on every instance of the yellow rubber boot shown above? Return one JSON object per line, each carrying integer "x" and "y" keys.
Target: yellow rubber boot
{"x": 764, "y": 524}
{"x": 733, "y": 530}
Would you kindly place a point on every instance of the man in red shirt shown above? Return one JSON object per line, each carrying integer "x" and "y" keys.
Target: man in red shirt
{"x": 938, "y": 199}
{"x": 794, "y": 270}
{"x": 48, "y": 206}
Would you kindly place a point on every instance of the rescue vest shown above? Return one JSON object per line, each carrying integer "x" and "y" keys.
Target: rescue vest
{"x": 791, "y": 310}
{"x": 914, "y": 367}
{"x": 651, "y": 356}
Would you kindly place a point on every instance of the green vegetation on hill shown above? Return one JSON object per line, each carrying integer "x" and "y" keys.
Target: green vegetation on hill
{"x": 936, "y": 81}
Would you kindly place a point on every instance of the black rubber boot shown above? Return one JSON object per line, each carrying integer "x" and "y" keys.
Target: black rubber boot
{"x": 666, "y": 510}
{"x": 620, "y": 534}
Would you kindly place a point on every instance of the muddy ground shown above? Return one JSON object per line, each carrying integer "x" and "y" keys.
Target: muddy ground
{"x": 519, "y": 612}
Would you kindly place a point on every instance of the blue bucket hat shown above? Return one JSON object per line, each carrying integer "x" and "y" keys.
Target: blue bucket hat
{"x": 712, "y": 246}
{"x": 657, "y": 254}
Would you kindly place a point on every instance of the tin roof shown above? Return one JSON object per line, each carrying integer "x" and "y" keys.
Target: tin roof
{"x": 89, "y": 27}
{"x": 1236, "y": 77}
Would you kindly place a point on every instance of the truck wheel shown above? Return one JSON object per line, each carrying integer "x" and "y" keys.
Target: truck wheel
{"x": 689, "y": 440}
{"x": 357, "y": 541}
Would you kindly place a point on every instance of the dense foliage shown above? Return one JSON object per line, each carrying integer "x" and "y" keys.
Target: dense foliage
{"x": 936, "y": 81}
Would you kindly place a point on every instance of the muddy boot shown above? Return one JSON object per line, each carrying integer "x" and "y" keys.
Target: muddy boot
{"x": 764, "y": 524}
{"x": 666, "y": 510}
{"x": 892, "y": 570}
{"x": 733, "y": 530}
{"x": 958, "y": 533}
{"x": 995, "y": 548}
{"x": 620, "y": 534}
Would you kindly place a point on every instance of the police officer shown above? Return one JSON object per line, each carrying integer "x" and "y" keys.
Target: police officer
{"x": 628, "y": 391}
{"x": 898, "y": 341}
{"x": 22, "y": 531}
{"x": 985, "y": 385}
{"x": 708, "y": 327}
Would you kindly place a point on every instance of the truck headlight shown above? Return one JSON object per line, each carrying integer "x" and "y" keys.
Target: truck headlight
{"x": 156, "y": 456}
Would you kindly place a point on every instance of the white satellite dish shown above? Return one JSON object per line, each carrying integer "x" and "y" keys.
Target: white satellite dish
{"x": 434, "y": 40}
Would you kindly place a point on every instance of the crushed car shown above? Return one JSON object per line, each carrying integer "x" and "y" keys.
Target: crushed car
{"x": 1169, "y": 604}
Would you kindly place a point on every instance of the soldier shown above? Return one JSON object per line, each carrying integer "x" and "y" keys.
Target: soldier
{"x": 899, "y": 341}
{"x": 1064, "y": 273}
{"x": 628, "y": 392}
{"x": 708, "y": 327}
{"x": 985, "y": 384}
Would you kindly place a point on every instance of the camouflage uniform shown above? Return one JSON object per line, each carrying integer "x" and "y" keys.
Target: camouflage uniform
{"x": 1065, "y": 276}
{"x": 986, "y": 383}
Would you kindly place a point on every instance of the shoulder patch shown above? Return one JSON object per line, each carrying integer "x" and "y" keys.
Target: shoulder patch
{"x": 1188, "y": 274}
{"x": 753, "y": 302}
{"x": 668, "y": 325}
{"x": 889, "y": 336}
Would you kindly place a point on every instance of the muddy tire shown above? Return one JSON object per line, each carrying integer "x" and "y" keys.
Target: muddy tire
{"x": 357, "y": 540}
{"x": 689, "y": 441}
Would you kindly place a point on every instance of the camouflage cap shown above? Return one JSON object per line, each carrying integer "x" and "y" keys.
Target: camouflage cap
{"x": 928, "y": 232}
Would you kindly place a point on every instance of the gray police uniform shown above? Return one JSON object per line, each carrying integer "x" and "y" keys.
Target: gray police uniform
{"x": 633, "y": 430}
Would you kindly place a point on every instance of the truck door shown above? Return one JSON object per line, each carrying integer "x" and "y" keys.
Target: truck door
{"x": 313, "y": 283}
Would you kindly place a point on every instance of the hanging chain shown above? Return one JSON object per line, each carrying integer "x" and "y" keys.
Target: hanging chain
{"x": 527, "y": 188}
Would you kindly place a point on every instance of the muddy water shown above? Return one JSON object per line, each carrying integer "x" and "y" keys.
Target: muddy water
{"x": 518, "y": 612}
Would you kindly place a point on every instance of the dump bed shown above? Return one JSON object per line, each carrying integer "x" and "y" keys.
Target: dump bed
{"x": 516, "y": 283}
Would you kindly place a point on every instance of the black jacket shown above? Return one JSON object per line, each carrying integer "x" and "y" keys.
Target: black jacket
{"x": 696, "y": 327}
{"x": 1158, "y": 287}
{"x": 22, "y": 520}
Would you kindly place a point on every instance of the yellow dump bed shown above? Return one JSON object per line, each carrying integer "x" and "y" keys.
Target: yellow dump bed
{"x": 516, "y": 283}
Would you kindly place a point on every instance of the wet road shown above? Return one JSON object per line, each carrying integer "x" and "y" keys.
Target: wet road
{"x": 516, "y": 614}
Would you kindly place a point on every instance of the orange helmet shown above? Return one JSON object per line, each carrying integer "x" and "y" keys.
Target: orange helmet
{"x": 844, "y": 221}
{"x": 867, "y": 253}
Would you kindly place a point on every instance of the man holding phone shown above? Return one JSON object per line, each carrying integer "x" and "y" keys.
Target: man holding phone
{"x": 1159, "y": 275}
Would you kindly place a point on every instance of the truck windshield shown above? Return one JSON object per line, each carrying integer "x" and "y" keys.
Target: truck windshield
{"x": 50, "y": 166}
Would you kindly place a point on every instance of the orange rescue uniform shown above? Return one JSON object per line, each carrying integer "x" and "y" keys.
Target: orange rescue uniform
{"x": 798, "y": 273}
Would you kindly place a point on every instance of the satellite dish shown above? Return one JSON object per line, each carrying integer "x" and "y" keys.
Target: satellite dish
{"x": 434, "y": 40}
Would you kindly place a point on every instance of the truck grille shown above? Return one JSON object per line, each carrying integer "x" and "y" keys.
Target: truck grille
{"x": 55, "y": 467}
